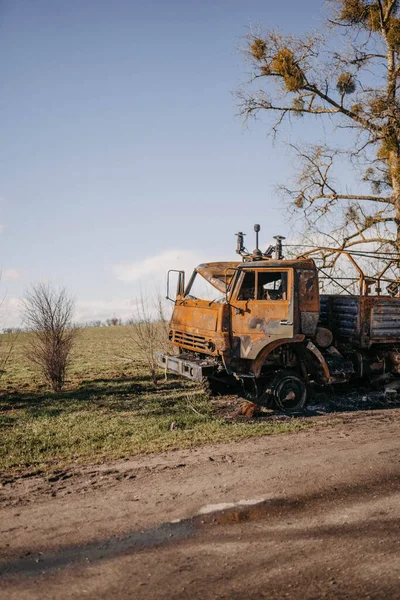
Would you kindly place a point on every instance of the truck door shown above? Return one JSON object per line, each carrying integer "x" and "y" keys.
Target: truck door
{"x": 261, "y": 309}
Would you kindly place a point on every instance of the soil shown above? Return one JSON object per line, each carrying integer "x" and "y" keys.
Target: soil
{"x": 314, "y": 514}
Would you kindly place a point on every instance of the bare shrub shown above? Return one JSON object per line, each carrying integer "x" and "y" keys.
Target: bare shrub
{"x": 150, "y": 328}
{"x": 48, "y": 315}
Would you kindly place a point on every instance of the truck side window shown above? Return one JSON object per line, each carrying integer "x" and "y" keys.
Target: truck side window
{"x": 272, "y": 286}
{"x": 247, "y": 290}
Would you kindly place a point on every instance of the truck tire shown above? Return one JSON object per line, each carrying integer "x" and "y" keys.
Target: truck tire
{"x": 288, "y": 391}
{"x": 211, "y": 387}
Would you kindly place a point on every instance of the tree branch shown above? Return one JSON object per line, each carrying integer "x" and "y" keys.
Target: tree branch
{"x": 386, "y": 200}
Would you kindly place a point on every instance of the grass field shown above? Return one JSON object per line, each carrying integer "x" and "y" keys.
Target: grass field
{"x": 109, "y": 409}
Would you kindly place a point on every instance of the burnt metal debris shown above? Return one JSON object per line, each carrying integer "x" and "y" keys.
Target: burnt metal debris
{"x": 263, "y": 323}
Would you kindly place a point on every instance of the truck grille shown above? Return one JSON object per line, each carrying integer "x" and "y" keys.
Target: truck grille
{"x": 194, "y": 342}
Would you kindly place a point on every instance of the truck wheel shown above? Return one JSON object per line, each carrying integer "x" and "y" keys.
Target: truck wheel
{"x": 211, "y": 387}
{"x": 288, "y": 391}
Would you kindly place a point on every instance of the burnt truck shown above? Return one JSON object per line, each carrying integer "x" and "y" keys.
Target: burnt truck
{"x": 263, "y": 324}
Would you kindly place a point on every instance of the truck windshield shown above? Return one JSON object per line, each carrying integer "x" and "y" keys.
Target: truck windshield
{"x": 264, "y": 285}
{"x": 201, "y": 289}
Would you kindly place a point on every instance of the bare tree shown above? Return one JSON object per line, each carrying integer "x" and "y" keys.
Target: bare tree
{"x": 48, "y": 315}
{"x": 350, "y": 80}
{"x": 149, "y": 333}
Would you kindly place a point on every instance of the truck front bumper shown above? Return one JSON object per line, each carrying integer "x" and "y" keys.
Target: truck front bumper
{"x": 187, "y": 368}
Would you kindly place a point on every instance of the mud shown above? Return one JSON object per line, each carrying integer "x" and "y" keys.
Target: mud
{"x": 309, "y": 515}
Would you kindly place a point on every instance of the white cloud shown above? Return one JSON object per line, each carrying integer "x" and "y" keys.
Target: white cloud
{"x": 10, "y": 275}
{"x": 10, "y": 312}
{"x": 1, "y": 227}
{"x": 157, "y": 266}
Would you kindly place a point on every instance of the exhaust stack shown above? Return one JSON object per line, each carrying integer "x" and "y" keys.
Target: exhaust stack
{"x": 278, "y": 246}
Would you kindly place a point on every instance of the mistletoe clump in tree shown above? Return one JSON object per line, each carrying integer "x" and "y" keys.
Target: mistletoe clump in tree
{"x": 356, "y": 87}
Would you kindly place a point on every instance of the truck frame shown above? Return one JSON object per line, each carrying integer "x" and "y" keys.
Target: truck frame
{"x": 264, "y": 324}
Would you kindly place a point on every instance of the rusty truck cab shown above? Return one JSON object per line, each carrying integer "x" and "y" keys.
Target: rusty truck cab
{"x": 273, "y": 302}
{"x": 237, "y": 310}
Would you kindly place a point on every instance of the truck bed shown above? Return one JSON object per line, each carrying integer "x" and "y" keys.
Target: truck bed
{"x": 361, "y": 320}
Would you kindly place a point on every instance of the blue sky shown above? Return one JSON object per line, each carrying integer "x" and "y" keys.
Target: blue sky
{"x": 121, "y": 152}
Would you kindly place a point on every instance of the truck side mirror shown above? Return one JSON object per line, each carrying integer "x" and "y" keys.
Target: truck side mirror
{"x": 180, "y": 286}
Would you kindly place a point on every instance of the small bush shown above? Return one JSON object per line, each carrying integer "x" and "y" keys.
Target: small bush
{"x": 48, "y": 315}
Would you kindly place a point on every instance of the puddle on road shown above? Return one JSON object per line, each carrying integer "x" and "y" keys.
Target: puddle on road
{"x": 259, "y": 511}
{"x": 212, "y": 508}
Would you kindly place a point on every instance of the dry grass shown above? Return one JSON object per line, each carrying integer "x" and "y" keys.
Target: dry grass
{"x": 109, "y": 409}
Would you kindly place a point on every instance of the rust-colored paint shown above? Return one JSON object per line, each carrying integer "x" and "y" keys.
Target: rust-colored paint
{"x": 258, "y": 322}
{"x": 200, "y": 326}
{"x": 308, "y": 292}
{"x": 219, "y": 274}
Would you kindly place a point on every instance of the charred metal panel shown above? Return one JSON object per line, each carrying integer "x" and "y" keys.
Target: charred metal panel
{"x": 385, "y": 319}
{"x": 309, "y": 322}
{"x": 344, "y": 316}
{"x": 341, "y": 369}
{"x": 366, "y": 365}
{"x": 306, "y": 301}
{"x": 323, "y": 314}
{"x": 361, "y": 320}
{"x": 308, "y": 289}
{"x": 219, "y": 274}
{"x": 306, "y": 263}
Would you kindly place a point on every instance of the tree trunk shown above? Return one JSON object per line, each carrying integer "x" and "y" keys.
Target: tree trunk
{"x": 395, "y": 176}
{"x": 153, "y": 375}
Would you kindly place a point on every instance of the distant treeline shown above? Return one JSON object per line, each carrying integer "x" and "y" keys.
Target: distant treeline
{"x": 97, "y": 323}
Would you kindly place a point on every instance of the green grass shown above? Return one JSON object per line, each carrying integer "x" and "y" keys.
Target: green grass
{"x": 109, "y": 409}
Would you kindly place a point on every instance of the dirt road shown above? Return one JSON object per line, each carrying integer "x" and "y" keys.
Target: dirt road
{"x": 307, "y": 515}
